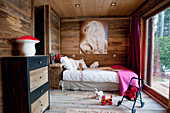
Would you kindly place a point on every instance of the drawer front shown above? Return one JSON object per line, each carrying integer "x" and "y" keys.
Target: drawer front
{"x": 37, "y": 62}
{"x": 40, "y": 104}
{"x": 39, "y": 92}
{"x": 38, "y": 77}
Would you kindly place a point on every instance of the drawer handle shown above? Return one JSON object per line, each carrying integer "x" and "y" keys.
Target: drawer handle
{"x": 40, "y": 76}
{"x": 41, "y": 91}
{"x": 40, "y": 62}
{"x": 41, "y": 104}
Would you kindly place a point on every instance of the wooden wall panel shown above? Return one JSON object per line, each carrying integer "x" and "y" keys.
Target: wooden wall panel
{"x": 55, "y": 32}
{"x": 1, "y": 92}
{"x": 15, "y": 16}
{"x": 15, "y": 21}
{"x": 118, "y": 41}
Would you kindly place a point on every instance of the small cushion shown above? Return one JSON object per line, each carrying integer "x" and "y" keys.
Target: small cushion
{"x": 81, "y": 61}
{"x": 75, "y": 63}
{"x": 67, "y": 63}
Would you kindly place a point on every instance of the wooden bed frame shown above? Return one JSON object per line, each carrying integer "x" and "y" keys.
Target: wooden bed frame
{"x": 89, "y": 86}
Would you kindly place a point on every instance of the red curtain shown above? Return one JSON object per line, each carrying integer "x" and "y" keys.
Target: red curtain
{"x": 134, "y": 50}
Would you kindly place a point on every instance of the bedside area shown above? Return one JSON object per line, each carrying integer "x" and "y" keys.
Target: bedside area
{"x": 55, "y": 75}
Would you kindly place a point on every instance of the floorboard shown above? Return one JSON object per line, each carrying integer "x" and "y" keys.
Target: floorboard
{"x": 85, "y": 102}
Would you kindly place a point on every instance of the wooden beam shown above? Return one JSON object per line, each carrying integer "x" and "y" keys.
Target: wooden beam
{"x": 93, "y": 18}
{"x": 32, "y": 18}
{"x": 47, "y": 35}
{"x": 55, "y": 32}
{"x": 147, "y": 6}
{"x": 158, "y": 10}
{"x": 143, "y": 49}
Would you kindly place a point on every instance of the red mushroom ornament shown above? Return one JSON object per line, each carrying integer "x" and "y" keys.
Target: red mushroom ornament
{"x": 28, "y": 45}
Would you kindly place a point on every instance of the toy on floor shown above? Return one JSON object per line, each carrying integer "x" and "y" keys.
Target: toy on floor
{"x": 131, "y": 94}
{"x": 98, "y": 93}
{"x": 108, "y": 100}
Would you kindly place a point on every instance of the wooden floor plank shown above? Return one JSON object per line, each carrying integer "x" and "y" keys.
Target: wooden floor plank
{"x": 163, "y": 90}
{"x": 85, "y": 102}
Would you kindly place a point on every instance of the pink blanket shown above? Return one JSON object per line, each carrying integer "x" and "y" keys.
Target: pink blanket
{"x": 125, "y": 76}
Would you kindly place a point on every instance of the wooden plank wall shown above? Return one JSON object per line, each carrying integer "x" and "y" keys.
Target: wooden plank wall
{"x": 55, "y": 32}
{"x": 118, "y": 41}
{"x": 15, "y": 21}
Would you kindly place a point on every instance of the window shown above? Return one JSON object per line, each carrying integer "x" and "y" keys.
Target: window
{"x": 158, "y": 52}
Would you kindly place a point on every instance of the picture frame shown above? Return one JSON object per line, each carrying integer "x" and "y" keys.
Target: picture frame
{"x": 93, "y": 37}
{"x": 52, "y": 58}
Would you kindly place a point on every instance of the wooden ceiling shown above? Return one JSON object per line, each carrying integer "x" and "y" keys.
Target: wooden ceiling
{"x": 66, "y": 8}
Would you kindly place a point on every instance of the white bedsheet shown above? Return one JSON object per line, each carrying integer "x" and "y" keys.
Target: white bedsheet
{"x": 91, "y": 75}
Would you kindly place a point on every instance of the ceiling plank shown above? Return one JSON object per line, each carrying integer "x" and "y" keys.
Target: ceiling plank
{"x": 66, "y": 8}
{"x": 41, "y": 2}
{"x": 59, "y": 12}
{"x": 77, "y": 10}
{"x": 99, "y": 7}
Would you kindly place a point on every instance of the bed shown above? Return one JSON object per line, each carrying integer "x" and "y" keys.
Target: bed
{"x": 112, "y": 78}
{"x": 88, "y": 79}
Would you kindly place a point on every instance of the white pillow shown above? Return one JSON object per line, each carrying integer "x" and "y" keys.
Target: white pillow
{"x": 81, "y": 61}
{"x": 67, "y": 63}
{"x": 74, "y": 63}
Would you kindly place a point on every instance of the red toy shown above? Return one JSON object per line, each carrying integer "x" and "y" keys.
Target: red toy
{"x": 108, "y": 100}
{"x": 131, "y": 94}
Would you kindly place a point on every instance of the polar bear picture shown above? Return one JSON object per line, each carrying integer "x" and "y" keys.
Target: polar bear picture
{"x": 93, "y": 37}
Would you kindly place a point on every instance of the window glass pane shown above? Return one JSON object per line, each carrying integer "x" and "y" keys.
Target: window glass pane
{"x": 158, "y": 54}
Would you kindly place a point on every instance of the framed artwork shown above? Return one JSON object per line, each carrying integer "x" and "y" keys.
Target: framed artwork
{"x": 93, "y": 39}
{"x": 52, "y": 58}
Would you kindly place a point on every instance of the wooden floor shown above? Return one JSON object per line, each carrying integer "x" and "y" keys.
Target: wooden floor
{"x": 161, "y": 88}
{"x": 85, "y": 102}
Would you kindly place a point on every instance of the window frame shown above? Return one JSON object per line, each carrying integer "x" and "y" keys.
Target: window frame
{"x": 147, "y": 89}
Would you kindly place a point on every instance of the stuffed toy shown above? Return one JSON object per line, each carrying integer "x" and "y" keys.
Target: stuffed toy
{"x": 131, "y": 94}
{"x": 108, "y": 100}
{"x": 98, "y": 93}
{"x": 81, "y": 67}
{"x": 94, "y": 65}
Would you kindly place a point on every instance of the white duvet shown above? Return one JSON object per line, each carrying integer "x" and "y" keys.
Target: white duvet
{"x": 91, "y": 75}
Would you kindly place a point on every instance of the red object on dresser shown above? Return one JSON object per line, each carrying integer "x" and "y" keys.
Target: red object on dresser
{"x": 59, "y": 57}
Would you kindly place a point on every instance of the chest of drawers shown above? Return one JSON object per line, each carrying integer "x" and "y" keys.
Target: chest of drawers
{"x": 25, "y": 84}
